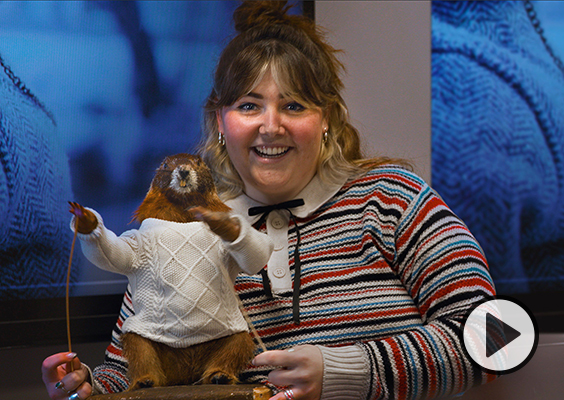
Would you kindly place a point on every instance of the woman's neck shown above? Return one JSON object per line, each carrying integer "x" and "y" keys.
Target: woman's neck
{"x": 272, "y": 198}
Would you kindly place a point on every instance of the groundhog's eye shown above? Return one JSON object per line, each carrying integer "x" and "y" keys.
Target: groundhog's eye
{"x": 164, "y": 166}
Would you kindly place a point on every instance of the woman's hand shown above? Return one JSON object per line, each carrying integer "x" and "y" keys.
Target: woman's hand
{"x": 60, "y": 382}
{"x": 300, "y": 370}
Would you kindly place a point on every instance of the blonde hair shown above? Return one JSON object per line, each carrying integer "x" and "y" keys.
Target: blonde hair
{"x": 304, "y": 67}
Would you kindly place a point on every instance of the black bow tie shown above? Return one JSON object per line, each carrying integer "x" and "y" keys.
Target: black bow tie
{"x": 265, "y": 210}
{"x": 280, "y": 206}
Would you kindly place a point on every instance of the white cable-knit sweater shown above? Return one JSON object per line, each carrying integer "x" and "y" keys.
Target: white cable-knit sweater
{"x": 180, "y": 295}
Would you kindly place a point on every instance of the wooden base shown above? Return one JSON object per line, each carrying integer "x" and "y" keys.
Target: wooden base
{"x": 196, "y": 392}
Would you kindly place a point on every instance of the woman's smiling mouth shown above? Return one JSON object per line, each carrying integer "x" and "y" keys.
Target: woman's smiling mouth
{"x": 271, "y": 152}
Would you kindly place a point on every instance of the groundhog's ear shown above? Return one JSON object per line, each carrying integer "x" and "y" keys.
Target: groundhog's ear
{"x": 165, "y": 165}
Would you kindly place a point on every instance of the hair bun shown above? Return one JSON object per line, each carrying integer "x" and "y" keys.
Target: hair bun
{"x": 252, "y": 13}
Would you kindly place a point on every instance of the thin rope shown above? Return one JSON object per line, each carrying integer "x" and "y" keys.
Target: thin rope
{"x": 242, "y": 308}
{"x": 68, "y": 288}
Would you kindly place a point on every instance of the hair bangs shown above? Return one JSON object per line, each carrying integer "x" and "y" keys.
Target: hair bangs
{"x": 291, "y": 70}
{"x": 296, "y": 79}
{"x": 244, "y": 74}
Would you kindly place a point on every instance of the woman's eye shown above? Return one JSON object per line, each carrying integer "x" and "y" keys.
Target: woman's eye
{"x": 294, "y": 106}
{"x": 247, "y": 107}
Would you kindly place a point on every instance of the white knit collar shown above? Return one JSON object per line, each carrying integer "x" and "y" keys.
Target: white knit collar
{"x": 315, "y": 194}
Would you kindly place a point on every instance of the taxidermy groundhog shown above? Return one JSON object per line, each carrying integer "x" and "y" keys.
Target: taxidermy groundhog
{"x": 187, "y": 326}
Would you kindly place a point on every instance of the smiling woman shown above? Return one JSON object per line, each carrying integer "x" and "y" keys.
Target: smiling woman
{"x": 274, "y": 141}
{"x": 285, "y": 54}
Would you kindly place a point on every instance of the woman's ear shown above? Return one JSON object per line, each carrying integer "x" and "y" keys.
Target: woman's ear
{"x": 326, "y": 113}
{"x": 219, "y": 120}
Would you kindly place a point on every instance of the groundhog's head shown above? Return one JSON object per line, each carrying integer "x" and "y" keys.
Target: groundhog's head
{"x": 181, "y": 182}
{"x": 181, "y": 176}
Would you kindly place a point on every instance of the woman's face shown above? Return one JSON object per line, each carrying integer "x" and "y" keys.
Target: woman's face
{"x": 273, "y": 141}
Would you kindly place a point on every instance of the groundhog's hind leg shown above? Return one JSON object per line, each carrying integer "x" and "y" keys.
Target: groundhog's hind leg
{"x": 227, "y": 358}
{"x": 145, "y": 369}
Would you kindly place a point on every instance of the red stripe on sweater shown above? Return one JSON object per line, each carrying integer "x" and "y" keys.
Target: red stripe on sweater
{"x": 442, "y": 264}
{"x": 342, "y": 272}
{"x": 392, "y": 177}
{"x": 337, "y": 320}
{"x": 114, "y": 350}
{"x": 111, "y": 376}
{"x": 315, "y": 299}
{"x": 400, "y": 368}
{"x": 361, "y": 201}
{"x": 451, "y": 348}
{"x": 430, "y": 205}
{"x": 429, "y": 364}
{"x": 444, "y": 291}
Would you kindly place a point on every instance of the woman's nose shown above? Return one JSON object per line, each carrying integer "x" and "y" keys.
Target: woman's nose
{"x": 272, "y": 123}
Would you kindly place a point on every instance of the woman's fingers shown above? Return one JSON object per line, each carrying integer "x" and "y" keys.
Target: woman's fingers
{"x": 74, "y": 379}
{"x": 63, "y": 374}
{"x": 84, "y": 390}
{"x": 294, "y": 394}
{"x": 52, "y": 369}
{"x": 299, "y": 369}
{"x": 275, "y": 358}
{"x": 298, "y": 357}
{"x": 285, "y": 377}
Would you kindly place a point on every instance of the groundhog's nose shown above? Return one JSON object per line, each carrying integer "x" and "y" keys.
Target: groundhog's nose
{"x": 183, "y": 173}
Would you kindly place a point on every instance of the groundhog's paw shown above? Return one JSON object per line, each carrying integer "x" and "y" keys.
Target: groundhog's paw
{"x": 142, "y": 383}
{"x": 220, "y": 378}
{"x": 86, "y": 221}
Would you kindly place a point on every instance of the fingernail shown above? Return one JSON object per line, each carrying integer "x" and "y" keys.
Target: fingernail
{"x": 71, "y": 356}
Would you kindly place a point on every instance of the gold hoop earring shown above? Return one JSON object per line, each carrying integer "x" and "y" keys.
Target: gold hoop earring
{"x": 221, "y": 139}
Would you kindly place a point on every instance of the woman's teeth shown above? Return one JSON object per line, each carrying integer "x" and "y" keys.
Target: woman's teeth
{"x": 264, "y": 151}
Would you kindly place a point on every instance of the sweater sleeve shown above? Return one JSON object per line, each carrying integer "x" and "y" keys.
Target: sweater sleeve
{"x": 345, "y": 373}
{"x": 250, "y": 251}
{"x": 106, "y": 250}
{"x": 444, "y": 270}
{"x": 111, "y": 375}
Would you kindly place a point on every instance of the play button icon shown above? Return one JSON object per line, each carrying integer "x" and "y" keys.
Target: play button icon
{"x": 500, "y": 335}
{"x": 492, "y": 323}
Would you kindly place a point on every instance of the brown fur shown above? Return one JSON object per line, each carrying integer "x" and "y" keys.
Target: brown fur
{"x": 154, "y": 364}
{"x": 164, "y": 202}
{"x": 218, "y": 361}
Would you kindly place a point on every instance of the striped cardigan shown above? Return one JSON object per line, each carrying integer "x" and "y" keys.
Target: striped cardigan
{"x": 387, "y": 274}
